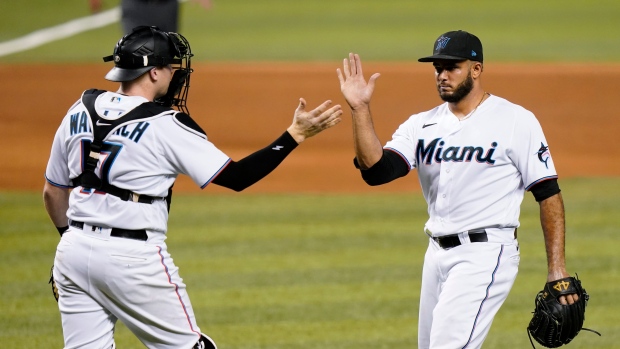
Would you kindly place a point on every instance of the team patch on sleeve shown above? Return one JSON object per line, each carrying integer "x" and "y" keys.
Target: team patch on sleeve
{"x": 543, "y": 154}
{"x": 187, "y": 123}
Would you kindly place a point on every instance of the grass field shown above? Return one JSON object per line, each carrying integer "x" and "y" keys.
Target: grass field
{"x": 326, "y": 30}
{"x": 315, "y": 271}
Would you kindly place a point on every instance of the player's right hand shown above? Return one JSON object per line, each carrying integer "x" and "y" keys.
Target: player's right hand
{"x": 309, "y": 123}
{"x": 353, "y": 86}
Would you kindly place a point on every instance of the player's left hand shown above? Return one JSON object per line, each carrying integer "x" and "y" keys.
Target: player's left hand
{"x": 565, "y": 298}
{"x": 554, "y": 324}
{"x": 309, "y": 123}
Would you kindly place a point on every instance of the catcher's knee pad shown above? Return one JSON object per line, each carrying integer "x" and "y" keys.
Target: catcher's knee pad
{"x": 204, "y": 343}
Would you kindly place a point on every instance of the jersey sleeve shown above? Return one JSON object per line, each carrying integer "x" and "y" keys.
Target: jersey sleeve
{"x": 189, "y": 152}
{"x": 57, "y": 171}
{"x": 530, "y": 151}
{"x": 403, "y": 142}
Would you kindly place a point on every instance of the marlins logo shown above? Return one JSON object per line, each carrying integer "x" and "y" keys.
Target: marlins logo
{"x": 543, "y": 154}
{"x": 441, "y": 43}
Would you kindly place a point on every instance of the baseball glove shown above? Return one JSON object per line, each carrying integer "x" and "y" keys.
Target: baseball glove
{"x": 54, "y": 288}
{"x": 555, "y": 324}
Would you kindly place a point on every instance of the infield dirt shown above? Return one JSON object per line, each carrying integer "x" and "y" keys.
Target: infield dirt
{"x": 243, "y": 107}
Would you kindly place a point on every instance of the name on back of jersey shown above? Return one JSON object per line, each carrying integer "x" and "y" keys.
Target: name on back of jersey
{"x": 78, "y": 123}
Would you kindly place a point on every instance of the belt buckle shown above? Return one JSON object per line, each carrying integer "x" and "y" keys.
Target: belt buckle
{"x": 135, "y": 197}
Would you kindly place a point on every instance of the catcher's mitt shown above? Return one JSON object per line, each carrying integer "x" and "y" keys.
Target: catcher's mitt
{"x": 54, "y": 288}
{"x": 555, "y": 324}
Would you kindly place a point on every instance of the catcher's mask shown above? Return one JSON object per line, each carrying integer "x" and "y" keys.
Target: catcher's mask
{"x": 146, "y": 48}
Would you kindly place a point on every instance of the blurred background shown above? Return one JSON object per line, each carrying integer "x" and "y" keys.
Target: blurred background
{"x": 324, "y": 30}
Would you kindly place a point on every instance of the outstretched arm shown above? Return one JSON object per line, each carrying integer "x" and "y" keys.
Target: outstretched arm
{"x": 358, "y": 92}
{"x": 241, "y": 174}
{"x": 553, "y": 226}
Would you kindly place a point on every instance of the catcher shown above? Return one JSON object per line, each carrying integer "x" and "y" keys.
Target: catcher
{"x": 114, "y": 160}
{"x": 559, "y": 313}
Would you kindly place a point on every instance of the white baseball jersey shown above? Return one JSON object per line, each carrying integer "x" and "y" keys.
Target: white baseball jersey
{"x": 102, "y": 278}
{"x": 474, "y": 172}
{"x": 144, "y": 157}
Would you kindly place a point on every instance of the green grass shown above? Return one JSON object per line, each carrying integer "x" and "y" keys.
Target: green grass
{"x": 308, "y": 271}
{"x": 326, "y": 30}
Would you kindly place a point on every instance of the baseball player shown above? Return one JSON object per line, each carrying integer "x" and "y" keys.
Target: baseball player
{"x": 476, "y": 155}
{"x": 112, "y": 165}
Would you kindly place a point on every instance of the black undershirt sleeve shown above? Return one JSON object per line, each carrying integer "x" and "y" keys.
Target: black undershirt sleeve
{"x": 387, "y": 169}
{"x": 241, "y": 174}
{"x": 545, "y": 189}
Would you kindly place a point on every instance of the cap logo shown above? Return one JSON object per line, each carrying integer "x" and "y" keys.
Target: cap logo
{"x": 441, "y": 43}
{"x": 473, "y": 53}
{"x": 117, "y": 58}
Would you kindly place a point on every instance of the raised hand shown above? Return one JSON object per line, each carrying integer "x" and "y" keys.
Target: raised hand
{"x": 353, "y": 86}
{"x": 309, "y": 123}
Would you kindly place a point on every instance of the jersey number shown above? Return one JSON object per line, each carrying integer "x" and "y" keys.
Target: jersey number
{"x": 109, "y": 152}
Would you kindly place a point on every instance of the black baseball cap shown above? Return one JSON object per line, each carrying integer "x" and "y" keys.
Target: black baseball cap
{"x": 456, "y": 45}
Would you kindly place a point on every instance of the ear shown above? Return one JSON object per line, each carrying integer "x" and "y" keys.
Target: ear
{"x": 154, "y": 74}
{"x": 476, "y": 69}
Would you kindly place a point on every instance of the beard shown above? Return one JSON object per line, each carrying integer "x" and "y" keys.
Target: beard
{"x": 462, "y": 90}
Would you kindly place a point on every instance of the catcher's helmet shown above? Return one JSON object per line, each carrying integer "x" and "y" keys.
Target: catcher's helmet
{"x": 148, "y": 47}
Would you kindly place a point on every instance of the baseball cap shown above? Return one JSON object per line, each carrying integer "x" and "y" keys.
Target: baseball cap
{"x": 456, "y": 45}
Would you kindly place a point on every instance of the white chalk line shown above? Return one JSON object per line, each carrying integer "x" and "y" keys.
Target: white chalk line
{"x": 61, "y": 31}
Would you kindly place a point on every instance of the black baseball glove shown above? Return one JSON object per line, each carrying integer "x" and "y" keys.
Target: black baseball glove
{"x": 553, "y": 323}
{"x": 54, "y": 288}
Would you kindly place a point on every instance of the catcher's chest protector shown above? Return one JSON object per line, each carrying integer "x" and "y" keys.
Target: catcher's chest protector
{"x": 102, "y": 127}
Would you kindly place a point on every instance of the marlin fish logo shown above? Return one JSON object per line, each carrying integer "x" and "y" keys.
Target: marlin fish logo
{"x": 543, "y": 154}
{"x": 441, "y": 43}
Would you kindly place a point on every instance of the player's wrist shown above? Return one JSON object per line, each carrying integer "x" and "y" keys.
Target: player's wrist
{"x": 296, "y": 135}
{"x": 360, "y": 108}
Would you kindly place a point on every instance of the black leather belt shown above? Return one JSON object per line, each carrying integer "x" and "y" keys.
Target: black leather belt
{"x": 118, "y": 232}
{"x": 127, "y": 195}
{"x": 450, "y": 241}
